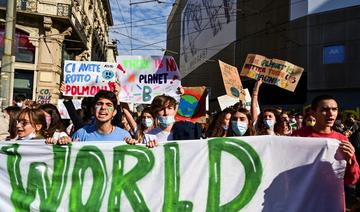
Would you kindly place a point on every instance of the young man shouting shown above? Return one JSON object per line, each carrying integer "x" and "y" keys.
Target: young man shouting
{"x": 105, "y": 104}
{"x": 325, "y": 110}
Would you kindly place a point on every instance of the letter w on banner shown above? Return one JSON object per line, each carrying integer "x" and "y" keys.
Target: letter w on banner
{"x": 260, "y": 173}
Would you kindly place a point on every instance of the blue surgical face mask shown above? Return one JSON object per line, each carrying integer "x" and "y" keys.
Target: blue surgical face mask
{"x": 166, "y": 121}
{"x": 239, "y": 127}
{"x": 269, "y": 124}
{"x": 225, "y": 127}
{"x": 147, "y": 122}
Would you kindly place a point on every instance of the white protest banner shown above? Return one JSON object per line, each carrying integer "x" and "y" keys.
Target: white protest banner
{"x": 144, "y": 77}
{"x": 272, "y": 71}
{"x": 86, "y": 78}
{"x": 258, "y": 173}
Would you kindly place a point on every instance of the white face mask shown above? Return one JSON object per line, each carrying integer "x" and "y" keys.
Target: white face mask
{"x": 147, "y": 122}
{"x": 269, "y": 124}
{"x": 29, "y": 137}
{"x": 225, "y": 127}
{"x": 19, "y": 104}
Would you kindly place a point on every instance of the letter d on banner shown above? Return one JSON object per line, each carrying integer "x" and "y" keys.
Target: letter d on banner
{"x": 253, "y": 173}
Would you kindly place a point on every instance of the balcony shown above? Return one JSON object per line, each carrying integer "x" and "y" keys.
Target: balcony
{"x": 60, "y": 8}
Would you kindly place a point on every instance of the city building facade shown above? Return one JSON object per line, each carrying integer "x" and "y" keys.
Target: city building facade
{"x": 49, "y": 32}
{"x": 322, "y": 36}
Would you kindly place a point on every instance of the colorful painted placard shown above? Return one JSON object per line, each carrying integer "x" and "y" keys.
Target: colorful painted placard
{"x": 272, "y": 71}
{"x": 144, "y": 77}
{"x": 86, "y": 78}
{"x": 192, "y": 106}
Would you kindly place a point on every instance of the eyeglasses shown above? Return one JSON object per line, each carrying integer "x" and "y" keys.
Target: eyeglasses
{"x": 23, "y": 122}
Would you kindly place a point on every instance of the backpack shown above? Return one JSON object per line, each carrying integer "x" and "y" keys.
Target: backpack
{"x": 185, "y": 130}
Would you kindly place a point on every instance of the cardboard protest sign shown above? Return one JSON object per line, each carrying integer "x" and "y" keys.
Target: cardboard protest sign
{"x": 226, "y": 101}
{"x": 232, "y": 82}
{"x": 192, "y": 106}
{"x": 86, "y": 78}
{"x": 218, "y": 174}
{"x": 144, "y": 77}
{"x": 44, "y": 96}
{"x": 272, "y": 71}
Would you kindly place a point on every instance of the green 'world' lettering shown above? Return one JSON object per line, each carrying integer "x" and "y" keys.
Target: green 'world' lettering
{"x": 126, "y": 183}
{"x": 172, "y": 181}
{"x": 253, "y": 173}
{"x": 50, "y": 193}
{"x": 88, "y": 157}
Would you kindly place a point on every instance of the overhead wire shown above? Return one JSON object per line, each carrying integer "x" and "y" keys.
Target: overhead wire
{"x": 204, "y": 8}
{"x": 244, "y": 15}
{"x": 122, "y": 17}
{"x": 279, "y": 25}
{"x": 178, "y": 36}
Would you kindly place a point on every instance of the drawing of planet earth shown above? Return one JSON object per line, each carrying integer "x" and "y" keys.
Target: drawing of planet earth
{"x": 188, "y": 106}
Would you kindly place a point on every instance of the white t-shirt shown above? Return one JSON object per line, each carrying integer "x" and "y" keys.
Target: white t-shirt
{"x": 158, "y": 135}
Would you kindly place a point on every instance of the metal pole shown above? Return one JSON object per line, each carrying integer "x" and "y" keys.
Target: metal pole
{"x": 8, "y": 59}
{"x": 131, "y": 46}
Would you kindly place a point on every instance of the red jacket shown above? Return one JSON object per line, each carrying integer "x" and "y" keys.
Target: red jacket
{"x": 352, "y": 172}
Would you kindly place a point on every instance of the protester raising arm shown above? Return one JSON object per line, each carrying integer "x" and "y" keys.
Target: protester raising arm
{"x": 69, "y": 105}
{"x": 123, "y": 109}
{"x": 130, "y": 119}
{"x": 254, "y": 100}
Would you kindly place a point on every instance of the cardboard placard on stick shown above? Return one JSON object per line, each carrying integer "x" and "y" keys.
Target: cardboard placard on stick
{"x": 272, "y": 71}
{"x": 232, "y": 82}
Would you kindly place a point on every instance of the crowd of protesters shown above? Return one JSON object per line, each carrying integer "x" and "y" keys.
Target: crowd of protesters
{"x": 104, "y": 118}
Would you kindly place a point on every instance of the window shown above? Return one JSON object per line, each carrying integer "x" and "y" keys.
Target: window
{"x": 333, "y": 54}
{"x": 23, "y": 83}
{"x": 24, "y": 50}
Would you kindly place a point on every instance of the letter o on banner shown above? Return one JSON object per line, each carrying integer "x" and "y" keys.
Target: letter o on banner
{"x": 88, "y": 157}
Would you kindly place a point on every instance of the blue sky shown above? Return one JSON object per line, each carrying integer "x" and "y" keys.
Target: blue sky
{"x": 149, "y": 26}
